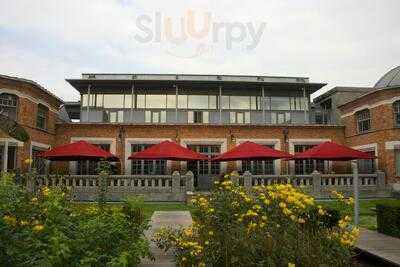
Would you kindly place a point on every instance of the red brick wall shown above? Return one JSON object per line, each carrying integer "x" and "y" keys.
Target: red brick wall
{"x": 64, "y": 133}
{"x": 382, "y": 127}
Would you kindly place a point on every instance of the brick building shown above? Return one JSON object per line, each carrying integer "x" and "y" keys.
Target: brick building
{"x": 125, "y": 113}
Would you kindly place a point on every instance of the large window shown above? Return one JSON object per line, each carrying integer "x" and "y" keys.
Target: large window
{"x": 8, "y": 105}
{"x": 239, "y": 117}
{"x": 90, "y": 167}
{"x": 155, "y": 116}
{"x": 147, "y": 167}
{"x": 367, "y": 165}
{"x": 285, "y": 103}
{"x": 280, "y": 117}
{"x": 241, "y": 102}
{"x": 198, "y": 117}
{"x": 302, "y": 167}
{"x": 11, "y": 157}
{"x": 259, "y": 167}
{"x": 41, "y": 121}
{"x": 396, "y": 112}
{"x": 363, "y": 121}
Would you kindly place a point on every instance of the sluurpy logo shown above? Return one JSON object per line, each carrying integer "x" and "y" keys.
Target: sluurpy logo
{"x": 182, "y": 37}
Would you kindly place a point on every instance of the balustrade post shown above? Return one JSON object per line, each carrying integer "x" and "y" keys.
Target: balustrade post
{"x": 176, "y": 182}
{"x": 247, "y": 179}
{"x": 316, "y": 178}
{"x": 189, "y": 181}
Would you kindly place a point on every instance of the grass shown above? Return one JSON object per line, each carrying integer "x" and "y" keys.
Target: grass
{"x": 367, "y": 210}
{"x": 149, "y": 207}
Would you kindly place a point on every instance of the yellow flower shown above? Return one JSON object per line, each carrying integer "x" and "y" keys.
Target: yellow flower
{"x": 211, "y": 233}
{"x": 202, "y": 264}
{"x": 34, "y": 199}
{"x": 291, "y": 264}
{"x": 183, "y": 258}
{"x": 282, "y": 205}
{"x": 301, "y": 220}
{"x": 28, "y": 161}
{"x": 10, "y": 220}
{"x": 207, "y": 243}
{"x": 267, "y": 202}
{"x": 45, "y": 191}
{"x": 38, "y": 228}
{"x": 211, "y": 210}
{"x": 264, "y": 218}
{"x": 23, "y": 223}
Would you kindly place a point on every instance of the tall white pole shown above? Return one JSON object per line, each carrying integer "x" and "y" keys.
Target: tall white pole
{"x": 355, "y": 187}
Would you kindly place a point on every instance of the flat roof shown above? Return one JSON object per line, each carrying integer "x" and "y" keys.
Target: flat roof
{"x": 169, "y": 80}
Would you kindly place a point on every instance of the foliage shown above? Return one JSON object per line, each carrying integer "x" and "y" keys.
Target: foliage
{"x": 46, "y": 229}
{"x": 388, "y": 218}
{"x": 104, "y": 170}
{"x": 267, "y": 226}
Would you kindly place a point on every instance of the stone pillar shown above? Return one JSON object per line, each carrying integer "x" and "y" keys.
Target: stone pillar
{"x": 189, "y": 181}
{"x": 176, "y": 182}
{"x": 247, "y": 178}
{"x": 235, "y": 178}
{"x": 316, "y": 180}
{"x": 380, "y": 179}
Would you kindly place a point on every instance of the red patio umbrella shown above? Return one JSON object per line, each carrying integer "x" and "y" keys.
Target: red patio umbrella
{"x": 80, "y": 150}
{"x": 336, "y": 152}
{"x": 332, "y": 151}
{"x": 167, "y": 150}
{"x": 251, "y": 151}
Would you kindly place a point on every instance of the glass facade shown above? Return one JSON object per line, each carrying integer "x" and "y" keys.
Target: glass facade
{"x": 302, "y": 167}
{"x": 147, "y": 167}
{"x": 204, "y": 107}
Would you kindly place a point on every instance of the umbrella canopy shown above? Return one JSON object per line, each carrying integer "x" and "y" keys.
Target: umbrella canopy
{"x": 77, "y": 151}
{"x": 332, "y": 151}
{"x": 167, "y": 150}
{"x": 251, "y": 151}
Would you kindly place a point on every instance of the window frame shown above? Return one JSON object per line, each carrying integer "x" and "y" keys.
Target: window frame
{"x": 363, "y": 121}
{"x": 12, "y": 107}
{"x": 44, "y": 111}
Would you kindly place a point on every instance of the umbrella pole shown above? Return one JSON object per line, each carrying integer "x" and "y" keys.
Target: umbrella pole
{"x": 354, "y": 167}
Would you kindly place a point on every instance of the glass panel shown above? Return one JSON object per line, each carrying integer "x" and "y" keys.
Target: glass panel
{"x": 212, "y": 102}
{"x": 155, "y": 101}
{"x": 128, "y": 101}
{"x": 239, "y": 102}
{"x": 287, "y": 117}
{"x": 205, "y": 117}
{"x": 255, "y": 102}
{"x": 225, "y": 102}
{"x": 113, "y": 101}
{"x": 113, "y": 116}
{"x": 198, "y": 101}
{"x": 273, "y": 118}
{"x": 280, "y": 103}
{"x": 182, "y": 101}
{"x": 141, "y": 101}
{"x": 267, "y": 103}
{"x": 84, "y": 100}
{"x": 120, "y": 116}
{"x": 99, "y": 100}
{"x": 147, "y": 116}
{"x": 163, "y": 116}
{"x": 247, "y": 117}
{"x": 155, "y": 117}
{"x": 232, "y": 117}
{"x": 239, "y": 117}
{"x": 190, "y": 117}
{"x": 171, "y": 101}
{"x": 281, "y": 118}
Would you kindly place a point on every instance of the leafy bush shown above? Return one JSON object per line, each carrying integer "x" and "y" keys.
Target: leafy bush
{"x": 388, "y": 218}
{"x": 267, "y": 226}
{"x": 46, "y": 229}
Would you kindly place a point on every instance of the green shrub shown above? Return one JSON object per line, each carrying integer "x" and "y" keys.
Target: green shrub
{"x": 388, "y": 218}
{"x": 46, "y": 229}
{"x": 275, "y": 225}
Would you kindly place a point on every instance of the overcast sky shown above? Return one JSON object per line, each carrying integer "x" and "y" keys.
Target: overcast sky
{"x": 342, "y": 43}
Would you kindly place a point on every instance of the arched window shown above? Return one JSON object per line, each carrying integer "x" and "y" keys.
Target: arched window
{"x": 8, "y": 105}
{"x": 396, "y": 111}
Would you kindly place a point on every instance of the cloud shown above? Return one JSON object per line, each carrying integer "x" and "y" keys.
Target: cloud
{"x": 339, "y": 42}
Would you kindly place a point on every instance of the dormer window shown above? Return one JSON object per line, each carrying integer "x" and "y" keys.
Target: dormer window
{"x": 363, "y": 118}
{"x": 8, "y": 105}
{"x": 41, "y": 121}
{"x": 396, "y": 112}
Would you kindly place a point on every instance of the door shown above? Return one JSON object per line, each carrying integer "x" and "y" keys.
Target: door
{"x": 204, "y": 171}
